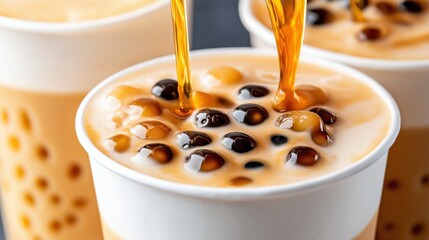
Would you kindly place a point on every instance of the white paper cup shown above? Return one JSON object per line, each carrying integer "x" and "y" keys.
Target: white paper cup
{"x": 50, "y": 61}
{"x": 336, "y": 206}
{"x": 405, "y": 208}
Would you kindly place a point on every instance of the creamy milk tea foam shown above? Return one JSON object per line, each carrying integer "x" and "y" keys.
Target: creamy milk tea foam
{"x": 67, "y": 10}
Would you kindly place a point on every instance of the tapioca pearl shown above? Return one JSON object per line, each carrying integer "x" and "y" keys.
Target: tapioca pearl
{"x": 41, "y": 183}
{"x": 203, "y": 161}
{"x": 42, "y": 153}
{"x": 25, "y": 221}
{"x": 300, "y": 121}
{"x": 115, "y": 98}
{"x": 24, "y": 121}
{"x": 166, "y": 89}
{"x": 371, "y": 33}
{"x": 119, "y": 143}
{"x": 303, "y": 156}
{"x": 413, "y": 6}
{"x": 143, "y": 107}
{"x": 240, "y": 181}
{"x": 55, "y": 199}
{"x": 392, "y": 184}
{"x": 418, "y": 229}
{"x": 238, "y": 142}
{"x": 202, "y": 99}
{"x": 278, "y": 139}
{"x": 70, "y": 219}
{"x": 157, "y": 152}
{"x": 4, "y": 116}
{"x": 36, "y": 238}
{"x": 14, "y": 143}
{"x": 19, "y": 172}
{"x": 327, "y": 117}
{"x": 79, "y": 202}
{"x": 389, "y": 226}
{"x": 226, "y": 74}
{"x": 28, "y": 199}
{"x": 250, "y": 114}
{"x": 55, "y": 226}
{"x": 425, "y": 180}
{"x": 150, "y": 130}
{"x": 318, "y": 16}
{"x": 211, "y": 118}
{"x": 386, "y": 7}
{"x": 254, "y": 165}
{"x": 74, "y": 171}
{"x": 252, "y": 91}
{"x": 191, "y": 139}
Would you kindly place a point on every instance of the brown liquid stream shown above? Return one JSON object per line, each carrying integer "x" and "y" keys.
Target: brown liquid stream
{"x": 185, "y": 89}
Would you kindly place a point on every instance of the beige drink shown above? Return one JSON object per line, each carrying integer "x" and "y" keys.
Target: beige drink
{"x": 68, "y": 10}
{"x": 125, "y": 120}
{"x": 46, "y": 181}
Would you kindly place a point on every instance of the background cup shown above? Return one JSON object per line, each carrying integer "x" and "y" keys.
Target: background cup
{"x": 336, "y": 206}
{"x": 404, "y": 209}
{"x": 45, "y": 71}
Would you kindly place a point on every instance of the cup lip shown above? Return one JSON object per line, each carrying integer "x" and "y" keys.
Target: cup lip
{"x": 67, "y": 27}
{"x": 240, "y": 194}
{"x": 255, "y": 27}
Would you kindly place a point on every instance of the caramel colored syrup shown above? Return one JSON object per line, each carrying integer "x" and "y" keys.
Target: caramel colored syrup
{"x": 185, "y": 89}
{"x": 287, "y": 19}
{"x": 355, "y": 6}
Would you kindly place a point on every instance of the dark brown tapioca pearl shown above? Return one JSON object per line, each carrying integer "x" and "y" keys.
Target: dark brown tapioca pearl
{"x": 149, "y": 107}
{"x": 318, "y": 16}
{"x": 239, "y": 142}
{"x": 250, "y": 114}
{"x": 370, "y": 33}
{"x": 211, "y": 118}
{"x": 204, "y": 161}
{"x": 392, "y": 184}
{"x": 159, "y": 152}
{"x": 166, "y": 89}
{"x": 190, "y": 139}
{"x": 425, "y": 180}
{"x": 121, "y": 142}
{"x": 240, "y": 181}
{"x": 413, "y": 6}
{"x": 150, "y": 130}
{"x": 252, "y": 91}
{"x": 254, "y": 165}
{"x": 417, "y": 229}
{"x": 327, "y": 117}
{"x": 303, "y": 156}
{"x": 390, "y": 226}
{"x": 386, "y": 7}
{"x": 278, "y": 139}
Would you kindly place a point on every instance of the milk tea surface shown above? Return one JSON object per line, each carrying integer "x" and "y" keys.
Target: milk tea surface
{"x": 393, "y": 29}
{"x": 234, "y": 138}
{"x": 68, "y": 10}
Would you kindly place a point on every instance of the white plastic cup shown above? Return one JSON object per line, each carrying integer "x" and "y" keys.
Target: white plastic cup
{"x": 408, "y": 82}
{"x": 339, "y": 205}
{"x": 63, "y": 59}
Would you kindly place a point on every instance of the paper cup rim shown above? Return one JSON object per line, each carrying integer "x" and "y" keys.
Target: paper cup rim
{"x": 67, "y": 27}
{"x": 241, "y": 193}
{"x": 255, "y": 27}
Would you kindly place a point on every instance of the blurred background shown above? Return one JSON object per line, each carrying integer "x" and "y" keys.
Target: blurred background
{"x": 216, "y": 24}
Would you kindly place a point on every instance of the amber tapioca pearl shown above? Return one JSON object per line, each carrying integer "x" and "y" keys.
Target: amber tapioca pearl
{"x": 327, "y": 117}
{"x": 191, "y": 139}
{"x": 211, "y": 118}
{"x": 413, "y": 6}
{"x": 318, "y": 16}
{"x": 252, "y": 91}
{"x": 226, "y": 74}
{"x": 204, "y": 161}
{"x": 240, "y": 181}
{"x": 250, "y": 114}
{"x": 159, "y": 152}
{"x": 303, "y": 156}
{"x": 150, "y": 130}
{"x": 120, "y": 142}
{"x": 145, "y": 107}
{"x": 239, "y": 142}
{"x": 166, "y": 89}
